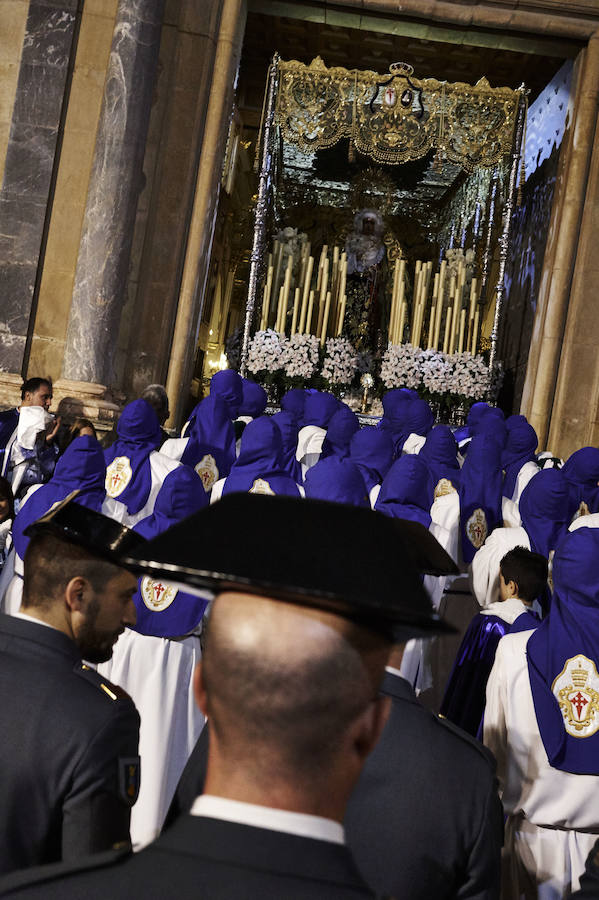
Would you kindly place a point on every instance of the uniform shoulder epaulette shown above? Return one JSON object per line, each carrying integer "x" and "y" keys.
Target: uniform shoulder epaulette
{"x": 110, "y": 690}
{"x": 467, "y": 738}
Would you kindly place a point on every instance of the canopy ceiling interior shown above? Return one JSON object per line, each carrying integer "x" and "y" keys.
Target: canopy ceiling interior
{"x": 341, "y": 179}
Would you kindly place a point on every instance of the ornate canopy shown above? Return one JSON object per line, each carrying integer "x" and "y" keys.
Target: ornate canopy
{"x": 395, "y": 118}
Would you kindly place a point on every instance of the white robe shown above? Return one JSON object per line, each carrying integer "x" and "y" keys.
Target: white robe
{"x": 157, "y": 673}
{"x": 485, "y": 564}
{"x": 160, "y": 467}
{"x": 553, "y": 816}
{"x": 528, "y": 471}
{"x": 309, "y": 446}
{"x": 413, "y": 444}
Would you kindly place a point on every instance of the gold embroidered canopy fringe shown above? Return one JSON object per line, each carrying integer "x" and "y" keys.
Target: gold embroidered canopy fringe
{"x": 395, "y": 117}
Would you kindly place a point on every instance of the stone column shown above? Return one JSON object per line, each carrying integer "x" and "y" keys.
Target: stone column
{"x": 188, "y": 50}
{"x": 574, "y": 419}
{"x": 201, "y": 231}
{"x": 26, "y": 195}
{"x": 115, "y": 185}
{"x": 558, "y": 268}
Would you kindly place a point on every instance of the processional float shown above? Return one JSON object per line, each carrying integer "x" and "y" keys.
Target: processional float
{"x": 391, "y": 119}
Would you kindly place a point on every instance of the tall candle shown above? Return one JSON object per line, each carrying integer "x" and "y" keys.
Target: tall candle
{"x": 306, "y": 291}
{"x": 475, "y": 333}
{"x": 323, "y": 293}
{"x": 462, "y": 329}
{"x": 447, "y": 330}
{"x": 341, "y": 315}
{"x": 325, "y": 319}
{"x": 296, "y": 303}
{"x": 310, "y": 311}
{"x": 279, "y": 325}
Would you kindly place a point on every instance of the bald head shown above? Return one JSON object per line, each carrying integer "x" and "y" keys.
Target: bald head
{"x": 286, "y": 681}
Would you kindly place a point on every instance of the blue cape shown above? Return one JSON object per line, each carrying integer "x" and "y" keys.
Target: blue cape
{"x": 407, "y": 491}
{"x": 337, "y": 480}
{"x": 465, "y": 694}
{"x": 546, "y": 510}
{"x": 342, "y": 427}
{"x": 475, "y": 413}
{"x": 563, "y": 655}
{"x": 81, "y": 467}
{"x": 396, "y": 404}
{"x": 519, "y": 449}
{"x": 253, "y": 400}
{"x": 440, "y": 453}
{"x": 319, "y": 408}
{"x": 182, "y": 494}
{"x": 211, "y": 433}
{"x": 288, "y": 426}
{"x": 581, "y": 471}
{"x": 481, "y": 483}
{"x": 260, "y": 457}
{"x": 372, "y": 452}
{"x": 139, "y": 434}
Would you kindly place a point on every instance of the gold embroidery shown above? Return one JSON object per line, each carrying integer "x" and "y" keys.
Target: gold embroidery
{"x": 261, "y": 486}
{"x": 208, "y": 471}
{"x": 156, "y": 595}
{"x": 118, "y": 476}
{"x": 476, "y": 528}
{"x": 576, "y": 691}
{"x": 444, "y": 487}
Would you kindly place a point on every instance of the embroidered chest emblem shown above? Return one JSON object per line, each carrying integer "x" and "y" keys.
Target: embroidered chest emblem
{"x": 576, "y": 689}
{"x": 157, "y": 595}
{"x": 261, "y": 486}
{"x": 118, "y": 476}
{"x": 476, "y": 528}
{"x": 208, "y": 471}
{"x": 444, "y": 487}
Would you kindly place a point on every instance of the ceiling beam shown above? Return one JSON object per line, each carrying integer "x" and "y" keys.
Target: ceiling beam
{"x": 466, "y": 26}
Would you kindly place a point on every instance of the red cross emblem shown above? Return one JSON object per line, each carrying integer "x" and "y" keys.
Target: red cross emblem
{"x": 579, "y": 701}
{"x": 158, "y": 590}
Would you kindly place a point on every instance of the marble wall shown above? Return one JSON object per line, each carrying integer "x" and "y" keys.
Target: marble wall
{"x": 31, "y": 157}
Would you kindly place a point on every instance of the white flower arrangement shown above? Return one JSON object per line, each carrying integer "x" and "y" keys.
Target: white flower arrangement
{"x": 470, "y": 376}
{"x": 300, "y": 356}
{"x": 437, "y": 371}
{"x": 340, "y": 362}
{"x": 266, "y": 351}
{"x": 401, "y": 366}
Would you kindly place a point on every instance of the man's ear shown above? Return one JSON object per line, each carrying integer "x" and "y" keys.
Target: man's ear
{"x": 513, "y": 588}
{"x": 74, "y": 593}
{"x": 371, "y": 724}
{"x": 199, "y": 689}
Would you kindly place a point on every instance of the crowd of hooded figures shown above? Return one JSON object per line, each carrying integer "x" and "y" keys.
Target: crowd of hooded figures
{"x": 518, "y": 522}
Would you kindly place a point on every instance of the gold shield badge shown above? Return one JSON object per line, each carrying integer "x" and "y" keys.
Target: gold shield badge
{"x": 261, "y": 486}
{"x": 118, "y": 476}
{"x": 476, "y": 528}
{"x": 576, "y": 689}
{"x": 444, "y": 487}
{"x": 157, "y": 595}
{"x": 208, "y": 471}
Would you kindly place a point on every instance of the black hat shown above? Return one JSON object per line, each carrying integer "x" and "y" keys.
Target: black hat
{"x": 87, "y": 528}
{"x": 353, "y": 561}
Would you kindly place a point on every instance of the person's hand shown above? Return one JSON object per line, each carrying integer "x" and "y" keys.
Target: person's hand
{"x": 52, "y": 434}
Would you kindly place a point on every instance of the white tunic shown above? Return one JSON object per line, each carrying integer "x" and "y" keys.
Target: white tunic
{"x": 485, "y": 564}
{"x": 157, "y": 673}
{"x": 413, "y": 444}
{"x": 528, "y": 471}
{"x": 160, "y": 467}
{"x": 309, "y": 446}
{"x": 553, "y": 815}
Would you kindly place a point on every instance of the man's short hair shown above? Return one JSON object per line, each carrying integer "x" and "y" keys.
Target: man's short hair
{"x": 527, "y": 569}
{"x": 50, "y": 563}
{"x": 261, "y": 705}
{"x": 156, "y": 396}
{"x": 31, "y": 385}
